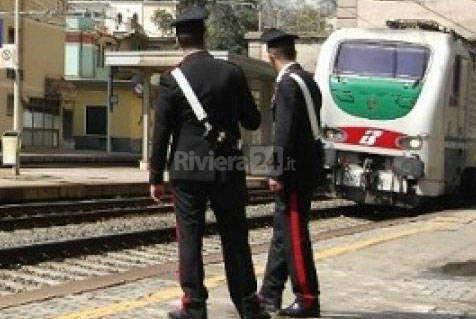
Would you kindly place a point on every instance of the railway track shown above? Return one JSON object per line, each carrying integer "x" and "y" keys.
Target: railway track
{"x": 32, "y": 253}
{"x": 47, "y": 217}
{"x": 46, "y": 214}
{"x": 35, "y": 271}
{"x": 43, "y": 265}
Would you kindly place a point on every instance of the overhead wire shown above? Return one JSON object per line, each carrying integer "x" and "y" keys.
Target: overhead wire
{"x": 451, "y": 20}
{"x": 443, "y": 16}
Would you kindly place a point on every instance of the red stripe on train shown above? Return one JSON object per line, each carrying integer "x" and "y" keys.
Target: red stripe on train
{"x": 372, "y": 137}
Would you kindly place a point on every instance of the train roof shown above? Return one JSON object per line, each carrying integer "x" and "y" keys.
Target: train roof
{"x": 432, "y": 38}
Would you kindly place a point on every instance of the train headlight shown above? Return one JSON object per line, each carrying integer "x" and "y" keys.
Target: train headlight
{"x": 411, "y": 142}
{"x": 334, "y": 134}
{"x": 416, "y": 143}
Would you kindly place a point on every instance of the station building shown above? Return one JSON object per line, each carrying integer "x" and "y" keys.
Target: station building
{"x": 42, "y": 63}
{"x": 116, "y": 26}
{"x": 65, "y": 85}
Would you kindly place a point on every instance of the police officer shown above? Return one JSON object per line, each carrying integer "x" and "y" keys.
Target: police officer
{"x": 294, "y": 178}
{"x": 201, "y": 107}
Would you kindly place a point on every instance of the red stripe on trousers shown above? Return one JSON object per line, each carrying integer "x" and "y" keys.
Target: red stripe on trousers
{"x": 297, "y": 249}
{"x": 185, "y": 298}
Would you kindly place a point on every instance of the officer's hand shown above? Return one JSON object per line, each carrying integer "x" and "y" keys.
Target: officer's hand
{"x": 275, "y": 186}
{"x": 157, "y": 191}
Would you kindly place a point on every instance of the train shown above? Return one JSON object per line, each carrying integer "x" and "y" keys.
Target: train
{"x": 398, "y": 115}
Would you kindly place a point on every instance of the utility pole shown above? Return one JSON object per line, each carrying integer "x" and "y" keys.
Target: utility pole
{"x": 17, "y": 105}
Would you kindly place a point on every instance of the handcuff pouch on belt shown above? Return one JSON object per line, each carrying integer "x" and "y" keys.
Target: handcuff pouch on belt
{"x": 220, "y": 140}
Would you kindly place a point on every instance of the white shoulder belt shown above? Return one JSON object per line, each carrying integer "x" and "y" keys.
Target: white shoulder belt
{"x": 192, "y": 99}
{"x": 311, "y": 111}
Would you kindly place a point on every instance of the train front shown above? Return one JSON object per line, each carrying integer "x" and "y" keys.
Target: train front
{"x": 382, "y": 113}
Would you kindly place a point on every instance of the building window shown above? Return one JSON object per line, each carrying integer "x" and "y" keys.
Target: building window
{"x": 119, "y": 18}
{"x": 11, "y": 35}
{"x": 100, "y": 56}
{"x": 10, "y": 104}
{"x": 41, "y": 122}
{"x": 96, "y": 120}
{"x": 68, "y": 123}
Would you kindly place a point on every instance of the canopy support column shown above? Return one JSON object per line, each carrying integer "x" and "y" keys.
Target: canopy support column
{"x": 110, "y": 106}
{"x": 144, "y": 164}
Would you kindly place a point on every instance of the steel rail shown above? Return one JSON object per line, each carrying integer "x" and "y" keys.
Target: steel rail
{"x": 50, "y": 205}
{"x": 11, "y": 257}
{"x": 14, "y": 217}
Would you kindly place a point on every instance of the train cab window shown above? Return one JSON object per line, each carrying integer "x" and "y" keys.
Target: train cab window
{"x": 390, "y": 60}
{"x": 456, "y": 81}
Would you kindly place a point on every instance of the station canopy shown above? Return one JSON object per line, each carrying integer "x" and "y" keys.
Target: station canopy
{"x": 161, "y": 61}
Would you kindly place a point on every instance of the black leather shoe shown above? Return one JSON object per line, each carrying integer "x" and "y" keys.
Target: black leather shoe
{"x": 263, "y": 314}
{"x": 178, "y": 314}
{"x": 251, "y": 308}
{"x": 298, "y": 310}
{"x": 192, "y": 311}
{"x": 271, "y": 305}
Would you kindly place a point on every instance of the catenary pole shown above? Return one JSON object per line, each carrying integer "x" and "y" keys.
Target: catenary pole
{"x": 17, "y": 105}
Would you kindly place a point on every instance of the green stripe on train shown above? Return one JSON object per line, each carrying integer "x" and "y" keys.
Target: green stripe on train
{"x": 375, "y": 98}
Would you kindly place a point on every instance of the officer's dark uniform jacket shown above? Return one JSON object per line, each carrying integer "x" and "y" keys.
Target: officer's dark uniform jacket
{"x": 293, "y": 133}
{"x": 222, "y": 89}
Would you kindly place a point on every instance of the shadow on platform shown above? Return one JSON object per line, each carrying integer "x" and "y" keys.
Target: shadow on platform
{"x": 398, "y": 315}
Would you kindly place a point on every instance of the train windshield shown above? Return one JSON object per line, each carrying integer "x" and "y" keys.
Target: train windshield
{"x": 393, "y": 60}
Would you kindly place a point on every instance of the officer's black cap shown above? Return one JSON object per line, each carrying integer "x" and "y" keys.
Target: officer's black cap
{"x": 191, "y": 20}
{"x": 276, "y": 38}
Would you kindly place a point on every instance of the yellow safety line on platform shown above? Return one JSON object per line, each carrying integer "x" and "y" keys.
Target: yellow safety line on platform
{"x": 438, "y": 223}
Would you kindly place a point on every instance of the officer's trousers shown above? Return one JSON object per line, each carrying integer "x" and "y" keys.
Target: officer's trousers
{"x": 290, "y": 253}
{"x": 227, "y": 200}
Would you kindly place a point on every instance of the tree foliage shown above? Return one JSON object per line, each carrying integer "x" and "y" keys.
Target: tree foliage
{"x": 163, "y": 21}
{"x": 297, "y": 15}
{"x": 227, "y": 27}
{"x": 228, "y": 22}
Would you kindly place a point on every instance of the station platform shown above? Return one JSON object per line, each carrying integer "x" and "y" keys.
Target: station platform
{"x": 423, "y": 269}
{"x": 67, "y": 183}
{"x": 76, "y": 158}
